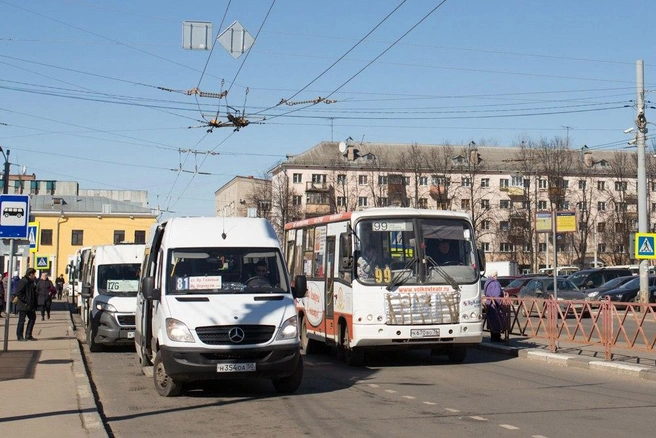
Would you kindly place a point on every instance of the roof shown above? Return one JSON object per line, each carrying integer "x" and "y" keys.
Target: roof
{"x": 45, "y": 204}
{"x": 390, "y": 156}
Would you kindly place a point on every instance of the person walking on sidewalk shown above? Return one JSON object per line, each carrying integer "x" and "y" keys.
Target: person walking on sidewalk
{"x": 44, "y": 293}
{"x": 26, "y": 305}
{"x": 59, "y": 284}
{"x": 3, "y": 293}
{"x": 15, "y": 279}
{"x": 493, "y": 293}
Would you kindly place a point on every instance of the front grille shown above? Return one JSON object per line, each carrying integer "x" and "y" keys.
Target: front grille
{"x": 236, "y": 355}
{"x": 125, "y": 319}
{"x": 218, "y": 335}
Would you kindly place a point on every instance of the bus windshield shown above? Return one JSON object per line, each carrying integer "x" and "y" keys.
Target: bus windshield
{"x": 118, "y": 279}
{"x": 225, "y": 270}
{"x": 420, "y": 250}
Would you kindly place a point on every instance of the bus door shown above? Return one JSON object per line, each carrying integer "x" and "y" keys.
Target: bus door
{"x": 330, "y": 285}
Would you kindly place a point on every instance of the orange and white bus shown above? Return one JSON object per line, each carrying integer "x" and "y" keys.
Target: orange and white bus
{"x": 377, "y": 280}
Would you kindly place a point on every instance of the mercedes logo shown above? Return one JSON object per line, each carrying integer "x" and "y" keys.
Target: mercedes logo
{"x": 236, "y": 335}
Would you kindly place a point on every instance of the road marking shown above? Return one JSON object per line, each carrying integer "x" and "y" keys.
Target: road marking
{"x": 391, "y": 391}
{"x": 373, "y": 385}
{"x": 509, "y": 427}
{"x": 430, "y": 403}
{"x": 476, "y": 417}
{"x": 409, "y": 397}
{"x": 538, "y": 436}
{"x": 451, "y": 410}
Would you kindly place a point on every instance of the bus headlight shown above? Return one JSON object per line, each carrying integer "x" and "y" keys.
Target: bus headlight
{"x": 178, "y": 331}
{"x": 106, "y": 307}
{"x": 288, "y": 329}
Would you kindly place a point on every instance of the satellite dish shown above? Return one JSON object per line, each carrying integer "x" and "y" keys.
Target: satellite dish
{"x": 342, "y": 147}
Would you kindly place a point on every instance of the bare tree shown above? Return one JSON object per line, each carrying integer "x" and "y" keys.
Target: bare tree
{"x": 274, "y": 199}
{"x": 441, "y": 166}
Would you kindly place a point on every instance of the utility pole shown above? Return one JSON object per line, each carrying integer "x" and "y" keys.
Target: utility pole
{"x": 641, "y": 124}
{"x": 5, "y": 190}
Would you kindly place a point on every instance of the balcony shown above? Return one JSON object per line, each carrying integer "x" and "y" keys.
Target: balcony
{"x": 311, "y": 186}
{"x": 516, "y": 193}
{"x": 312, "y": 210}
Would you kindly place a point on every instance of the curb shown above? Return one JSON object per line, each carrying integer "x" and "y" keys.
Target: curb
{"x": 568, "y": 360}
{"x": 89, "y": 416}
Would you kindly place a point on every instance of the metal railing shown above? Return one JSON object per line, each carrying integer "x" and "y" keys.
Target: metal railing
{"x": 609, "y": 324}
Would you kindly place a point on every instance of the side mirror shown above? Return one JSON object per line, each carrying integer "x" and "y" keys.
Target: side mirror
{"x": 481, "y": 259}
{"x": 300, "y": 286}
{"x": 148, "y": 289}
{"x": 345, "y": 252}
{"x": 86, "y": 291}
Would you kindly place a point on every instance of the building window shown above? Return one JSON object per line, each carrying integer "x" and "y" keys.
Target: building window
{"x": 362, "y": 201}
{"x": 77, "y": 237}
{"x": 601, "y": 206}
{"x": 486, "y": 225}
{"x": 565, "y": 205}
{"x": 341, "y": 201}
{"x": 362, "y": 180}
{"x": 139, "y": 236}
{"x": 486, "y": 246}
{"x": 583, "y": 226}
{"x": 542, "y": 205}
{"x": 527, "y": 247}
{"x": 582, "y": 184}
{"x": 34, "y": 187}
{"x": 318, "y": 178}
{"x": 543, "y": 183}
{"x": 542, "y": 246}
{"x": 601, "y": 247}
{"x": 503, "y": 183}
{"x": 46, "y": 237}
{"x": 620, "y": 207}
{"x": 506, "y": 247}
{"x": 526, "y": 205}
{"x": 601, "y": 227}
{"x": 383, "y": 202}
{"x": 565, "y": 184}
{"x": 297, "y": 178}
{"x": 422, "y": 203}
{"x": 504, "y": 203}
{"x": 653, "y": 206}
{"x": 504, "y": 225}
{"x": 382, "y": 180}
{"x": 485, "y": 204}
{"x": 316, "y": 198}
{"x": 517, "y": 181}
{"x": 50, "y": 187}
{"x": 620, "y": 186}
{"x": 465, "y": 204}
{"x": 296, "y": 200}
{"x": 619, "y": 227}
{"x": 601, "y": 186}
{"x": 485, "y": 182}
{"x": 406, "y": 180}
{"x": 341, "y": 179}
{"x": 423, "y": 180}
{"x": 619, "y": 249}
{"x": 119, "y": 236}
{"x": 653, "y": 187}
{"x": 466, "y": 182}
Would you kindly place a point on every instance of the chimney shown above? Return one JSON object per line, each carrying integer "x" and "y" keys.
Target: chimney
{"x": 587, "y": 159}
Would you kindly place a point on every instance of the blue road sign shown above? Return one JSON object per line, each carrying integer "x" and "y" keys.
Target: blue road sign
{"x": 33, "y": 236}
{"x": 14, "y": 216}
{"x": 42, "y": 262}
{"x": 645, "y": 246}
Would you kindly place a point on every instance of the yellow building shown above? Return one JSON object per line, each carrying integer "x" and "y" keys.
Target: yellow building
{"x": 65, "y": 224}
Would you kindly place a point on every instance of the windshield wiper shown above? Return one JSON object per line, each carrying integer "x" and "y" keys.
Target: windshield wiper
{"x": 397, "y": 280}
{"x": 440, "y": 270}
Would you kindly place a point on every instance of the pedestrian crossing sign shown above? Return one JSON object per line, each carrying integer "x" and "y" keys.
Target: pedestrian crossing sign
{"x": 645, "y": 246}
{"x": 42, "y": 262}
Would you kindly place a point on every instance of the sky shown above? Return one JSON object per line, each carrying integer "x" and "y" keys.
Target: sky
{"x": 98, "y": 91}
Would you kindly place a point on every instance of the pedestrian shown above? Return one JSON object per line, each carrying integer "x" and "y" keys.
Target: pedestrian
{"x": 59, "y": 283}
{"x": 45, "y": 290}
{"x": 3, "y": 293}
{"x": 15, "y": 279}
{"x": 493, "y": 294}
{"x": 26, "y": 305}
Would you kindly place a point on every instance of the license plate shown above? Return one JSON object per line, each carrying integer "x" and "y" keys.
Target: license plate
{"x": 235, "y": 367}
{"x": 424, "y": 333}
{"x": 130, "y": 335}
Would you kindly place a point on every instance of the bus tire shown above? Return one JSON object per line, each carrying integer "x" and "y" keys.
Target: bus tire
{"x": 93, "y": 346}
{"x": 456, "y": 353}
{"x": 289, "y": 384}
{"x": 166, "y": 386}
{"x": 352, "y": 355}
{"x": 309, "y": 346}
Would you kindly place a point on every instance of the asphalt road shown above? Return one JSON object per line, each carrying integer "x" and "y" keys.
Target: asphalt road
{"x": 396, "y": 395}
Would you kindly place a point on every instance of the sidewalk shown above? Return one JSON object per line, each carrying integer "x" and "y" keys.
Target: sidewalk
{"x": 44, "y": 386}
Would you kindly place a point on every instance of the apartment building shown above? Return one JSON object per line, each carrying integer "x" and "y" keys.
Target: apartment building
{"x": 501, "y": 187}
